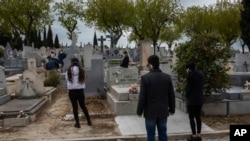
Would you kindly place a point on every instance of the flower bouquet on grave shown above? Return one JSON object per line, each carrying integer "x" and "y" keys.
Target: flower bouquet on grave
{"x": 133, "y": 89}
{"x": 21, "y": 114}
{"x": 247, "y": 85}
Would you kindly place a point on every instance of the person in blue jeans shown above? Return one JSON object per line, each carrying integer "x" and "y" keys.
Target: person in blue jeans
{"x": 156, "y": 100}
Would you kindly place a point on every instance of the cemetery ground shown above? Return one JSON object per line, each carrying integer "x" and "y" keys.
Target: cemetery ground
{"x": 51, "y": 124}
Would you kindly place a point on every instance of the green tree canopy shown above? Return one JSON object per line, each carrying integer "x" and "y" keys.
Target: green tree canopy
{"x": 57, "y": 44}
{"x": 25, "y": 15}
{"x": 50, "y": 37}
{"x": 227, "y": 16}
{"x": 109, "y": 15}
{"x": 152, "y": 16}
{"x": 69, "y": 12}
{"x": 210, "y": 57}
{"x": 222, "y": 18}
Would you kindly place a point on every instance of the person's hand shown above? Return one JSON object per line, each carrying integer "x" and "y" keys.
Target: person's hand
{"x": 171, "y": 113}
{"x": 139, "y": 115}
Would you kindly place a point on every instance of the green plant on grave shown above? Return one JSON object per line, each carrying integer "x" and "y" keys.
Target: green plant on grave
{"x": 53, "y": 79}
{"x": 210, "y": 56}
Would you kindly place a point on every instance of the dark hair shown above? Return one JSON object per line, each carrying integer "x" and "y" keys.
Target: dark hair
{"x": 191, "y": 66}
{"x": 81, "y": 76}
{"x": 154, "y": 61}
{"x": 125, "y": 52}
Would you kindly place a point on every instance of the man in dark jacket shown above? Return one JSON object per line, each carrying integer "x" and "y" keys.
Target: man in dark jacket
{"x": 156, "y": 100}
{"x": 194, "y": 94}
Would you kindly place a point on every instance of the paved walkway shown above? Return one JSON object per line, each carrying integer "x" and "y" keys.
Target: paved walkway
{"x": 132, "y": 128}
{"x": 177, "y": 123}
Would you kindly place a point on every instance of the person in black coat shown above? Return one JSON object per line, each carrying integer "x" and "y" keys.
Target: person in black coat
{"x": 125, "y": 60}
{"x": 194, "y": 95}
{"x": 156, "y": 100}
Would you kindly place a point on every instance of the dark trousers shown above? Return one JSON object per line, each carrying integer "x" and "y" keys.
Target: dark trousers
{"x": 77, "y": 96}
{"x": 195, "y": 115}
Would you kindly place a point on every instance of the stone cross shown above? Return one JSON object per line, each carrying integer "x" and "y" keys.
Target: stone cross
{"x": 27, "y": 90}
{"x": 112, "y": 45}
{"x": 101, "y": 39}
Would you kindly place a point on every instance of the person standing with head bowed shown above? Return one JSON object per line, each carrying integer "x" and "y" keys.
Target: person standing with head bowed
{"x": 195, "y": 99}
{"x": 156, "y": 100}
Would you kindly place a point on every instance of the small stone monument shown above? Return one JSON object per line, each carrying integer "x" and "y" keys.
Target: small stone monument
{"x": 4, "y": 96}
{"x": 30, "y": 85}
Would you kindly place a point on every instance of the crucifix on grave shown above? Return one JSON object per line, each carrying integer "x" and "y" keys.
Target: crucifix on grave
{"x": 112, "y": 44}
{"x": 101, "y": 39}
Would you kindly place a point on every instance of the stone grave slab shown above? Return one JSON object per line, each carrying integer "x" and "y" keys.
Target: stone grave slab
{"x": 2, "y": 91}
{"x": 27, "y": 105}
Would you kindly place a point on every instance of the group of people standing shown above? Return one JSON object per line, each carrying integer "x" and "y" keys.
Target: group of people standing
{"x": 156, "y": 99}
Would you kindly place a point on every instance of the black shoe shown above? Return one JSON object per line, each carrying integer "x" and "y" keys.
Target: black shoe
{"x": 191, "y": 138}
{"x": 89, "y": 123}
{"x": 77, "y": 126}
{"x": 199, "y": 139}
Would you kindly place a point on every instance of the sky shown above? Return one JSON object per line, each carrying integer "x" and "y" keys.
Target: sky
{"x": 87, "y": 33}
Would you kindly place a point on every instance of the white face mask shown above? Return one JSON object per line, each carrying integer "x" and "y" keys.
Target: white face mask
{"x": 187, "y": 70}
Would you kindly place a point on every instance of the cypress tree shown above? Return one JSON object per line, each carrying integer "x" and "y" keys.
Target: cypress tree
{"x": 50, "y": 38}
{"x": 44, "y": 37}
{"x": 95, "y": 44}
{"x": 57, "y": 45}
{"x": 245, "y": 22}
{"x": 39, "y": 40}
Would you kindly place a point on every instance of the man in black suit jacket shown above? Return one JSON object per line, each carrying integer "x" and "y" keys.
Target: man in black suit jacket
{"x": 194, "y": 94}
{"x": 156, "y": 100}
